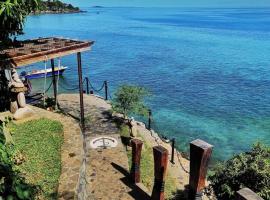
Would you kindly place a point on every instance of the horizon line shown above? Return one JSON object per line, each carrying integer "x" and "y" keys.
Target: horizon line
{"x": 215, "y": 7}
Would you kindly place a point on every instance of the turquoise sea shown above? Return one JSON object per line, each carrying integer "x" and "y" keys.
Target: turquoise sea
{"x": 208, "y": 69}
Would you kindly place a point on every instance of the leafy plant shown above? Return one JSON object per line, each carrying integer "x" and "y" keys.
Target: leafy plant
{"x": 250, "y": 169}
{"x": 12, "y": 185}
{"x": 12, "y": 16}
{"x": 129, "y": 99}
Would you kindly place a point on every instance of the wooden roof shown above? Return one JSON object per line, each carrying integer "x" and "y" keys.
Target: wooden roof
{"x": 31, "y": 51}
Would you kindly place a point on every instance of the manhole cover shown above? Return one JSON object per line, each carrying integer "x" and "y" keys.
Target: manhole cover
{"x": 103, "y": 142}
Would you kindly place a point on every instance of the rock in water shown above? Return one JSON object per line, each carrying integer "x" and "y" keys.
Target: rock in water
{"x": 13, "y": 106}
{"x": 21, "y": 100}
{"x": 23, "y": 113}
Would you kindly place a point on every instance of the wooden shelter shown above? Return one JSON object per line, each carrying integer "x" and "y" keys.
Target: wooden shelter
{"x": 27, "y": 52}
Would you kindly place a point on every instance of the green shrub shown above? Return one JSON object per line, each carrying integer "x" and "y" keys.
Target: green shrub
{"x": 12, "y": 16}
{"x": 250, "y": 169}
{"x": 12, "y": 185}
{"x": 129, "y": 99}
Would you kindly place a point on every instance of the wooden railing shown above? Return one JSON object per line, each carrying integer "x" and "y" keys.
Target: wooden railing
{"x": 200, "y": 154}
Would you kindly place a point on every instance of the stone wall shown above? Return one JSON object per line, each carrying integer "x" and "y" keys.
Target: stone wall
{"x": 4, "y": 92}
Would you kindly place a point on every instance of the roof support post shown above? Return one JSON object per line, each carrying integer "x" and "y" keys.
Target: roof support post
{"x": 54, "y": 82}
{"x": 79, "y": 60}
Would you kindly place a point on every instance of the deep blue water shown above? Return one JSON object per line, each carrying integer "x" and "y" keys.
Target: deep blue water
{"x": 208, "y": 69}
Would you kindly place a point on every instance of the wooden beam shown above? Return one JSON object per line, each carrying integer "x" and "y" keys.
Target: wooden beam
{"x": 28, "y": 54}
{"x": 28, "y": 61}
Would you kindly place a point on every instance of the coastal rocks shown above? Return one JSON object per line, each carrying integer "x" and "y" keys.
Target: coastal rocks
{"x": 23, "y": 113}
{"x": 117, "y": 115}
{"x": 134, "y": 130}
{"x": 141, "y": 124}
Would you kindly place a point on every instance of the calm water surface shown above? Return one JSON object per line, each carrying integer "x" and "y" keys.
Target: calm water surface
{"x": 208, "y": 69}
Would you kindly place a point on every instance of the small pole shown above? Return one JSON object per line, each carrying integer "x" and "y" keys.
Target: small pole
{"x": 161, "y": 162}
{"x": 136, "y": 160}
{"x": 149, "y": 119}
{"x": 79, "y": 60}
{"x": 173, "y": 146}
{"x": 87, "y": 85}
{"x": 106, "y": 90}
{"x": 200, "y": 153}
{"x": 54, "y": 82}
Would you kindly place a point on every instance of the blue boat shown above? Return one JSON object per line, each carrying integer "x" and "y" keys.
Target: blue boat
{"x": 35, "y": 74}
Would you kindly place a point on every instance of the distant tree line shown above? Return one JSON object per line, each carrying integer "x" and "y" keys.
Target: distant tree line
{"x": 56, "y": 6}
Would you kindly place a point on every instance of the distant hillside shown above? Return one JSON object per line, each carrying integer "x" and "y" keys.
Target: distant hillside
{"x": 56, "y": 6}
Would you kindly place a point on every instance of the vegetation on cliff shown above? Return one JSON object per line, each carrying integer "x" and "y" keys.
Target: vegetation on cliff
{"x": 56, "y": 6}
{"x": 250, "y": 169}
{"x": 129, "y": 99}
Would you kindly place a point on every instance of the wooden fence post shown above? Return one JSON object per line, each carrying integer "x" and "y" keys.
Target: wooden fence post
{"x": 161, "y": 161}
{"x": 247, "y": 194}
{"x": 136, "y": 160}
{"x": 200, "y": 153}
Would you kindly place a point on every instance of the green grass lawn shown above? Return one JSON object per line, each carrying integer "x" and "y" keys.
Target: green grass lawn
{"x": 39, "y": 141}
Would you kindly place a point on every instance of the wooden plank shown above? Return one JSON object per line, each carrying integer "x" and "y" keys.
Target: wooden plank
{"x": 247, "y": 194}
{"x": 41, "y": 49}
{"x": 49, "y": 56}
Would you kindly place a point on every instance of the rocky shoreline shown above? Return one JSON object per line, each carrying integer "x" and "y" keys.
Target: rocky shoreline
{"x": 57, "y": 12}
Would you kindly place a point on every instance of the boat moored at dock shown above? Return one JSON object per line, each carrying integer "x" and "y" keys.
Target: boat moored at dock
{"x": 35, "y": 74}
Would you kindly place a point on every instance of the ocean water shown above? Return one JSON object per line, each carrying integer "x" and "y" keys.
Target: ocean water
{"x": 208, "y": 69}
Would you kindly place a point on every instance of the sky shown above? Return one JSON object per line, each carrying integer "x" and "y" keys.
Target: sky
{"x": 172, "y": 3}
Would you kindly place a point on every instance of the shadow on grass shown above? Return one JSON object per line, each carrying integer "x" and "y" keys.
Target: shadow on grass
{"x": 181, "y": 194}
{"x": 67, "y": 195}
{"x": 136, "y": 192}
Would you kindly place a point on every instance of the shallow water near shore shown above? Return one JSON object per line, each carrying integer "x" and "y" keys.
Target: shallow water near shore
{"x": 208, "y": 69}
